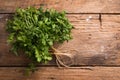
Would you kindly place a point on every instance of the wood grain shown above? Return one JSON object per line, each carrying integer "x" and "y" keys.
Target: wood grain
{"x": 53, "y": 73}
{"x": 71, "y": 6}
{"x": 98, "y": 45}
{"x": 111, "y": 23}
{"x": 96, "y": 42}
{"x": 90, "y": 44}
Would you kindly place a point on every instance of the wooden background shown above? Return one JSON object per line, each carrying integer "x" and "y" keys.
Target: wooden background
{"x": 95, "y": 47}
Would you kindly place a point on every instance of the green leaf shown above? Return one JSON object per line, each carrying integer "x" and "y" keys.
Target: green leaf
{"x": 46, "y": 20}
{"x": 11, "y": 38}
{"x": 37, "y": 54}
{"x": 50, "y": 43}
{"x": 49, "y": 58}
{"x": 35, "y": 18}
{"x": 43, "y": 42}
{"x": 53, "y": 26}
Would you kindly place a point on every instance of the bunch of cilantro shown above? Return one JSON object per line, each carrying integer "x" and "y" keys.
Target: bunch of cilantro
{"x": 34, "y": 31}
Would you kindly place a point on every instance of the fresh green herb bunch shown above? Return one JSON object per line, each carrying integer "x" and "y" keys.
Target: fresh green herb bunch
{"x": 34, "y": 31}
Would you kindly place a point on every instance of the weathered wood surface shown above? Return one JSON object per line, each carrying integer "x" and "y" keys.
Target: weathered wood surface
{"x": 111, "y": 23}
{"x": 53, "y": 73}
{"x": 98, "y": 45}
{"x": 71, "y": 6}
{"x": 96, "y": 42}
{"x": 92, "y": 44}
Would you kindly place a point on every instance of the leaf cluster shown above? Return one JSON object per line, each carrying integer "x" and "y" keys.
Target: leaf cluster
{"x": 34, "y": 31}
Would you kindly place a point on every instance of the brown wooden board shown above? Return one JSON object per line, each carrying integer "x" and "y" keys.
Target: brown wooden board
{"x": 71, "y": 6}
{"x": 95, "y": 45}
{"x": 53, "y": 73}
{"x": 90, "y": 44}
{"x": 110, "y": 23}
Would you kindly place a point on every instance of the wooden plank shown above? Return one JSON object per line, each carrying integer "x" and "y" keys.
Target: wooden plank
{"x": 7, "y": 59}
{"x": 92, "y": 49}
{"x": 53, "y": 73}
{"x": 89, "y": 46}
{"x": 95, "y": 48}
{"x": 71, "y": 6}
{"x": 110, "y": 23}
